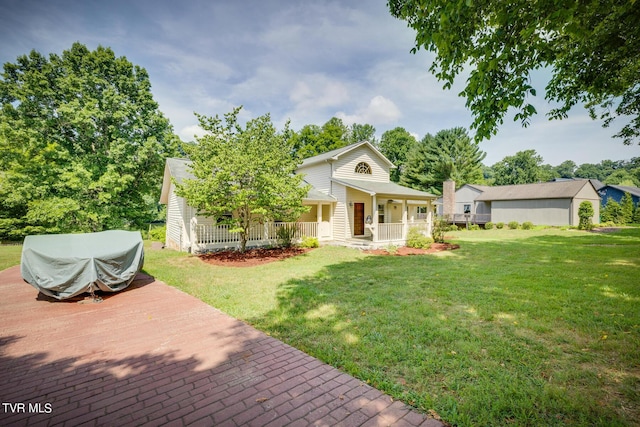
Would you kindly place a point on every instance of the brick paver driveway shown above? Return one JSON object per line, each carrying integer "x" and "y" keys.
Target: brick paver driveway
{"x": 152, "y": 355}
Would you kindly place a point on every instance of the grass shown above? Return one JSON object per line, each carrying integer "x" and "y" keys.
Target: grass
{"x": 9, "y": 255}
{"x": 535, "y": 327}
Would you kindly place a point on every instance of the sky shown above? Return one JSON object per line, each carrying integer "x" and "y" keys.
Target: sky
{"x": 303, "y": 61}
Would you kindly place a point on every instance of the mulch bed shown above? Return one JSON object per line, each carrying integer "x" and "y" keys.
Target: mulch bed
{"x": 259, "y": 256}
{"x": 251, "y": 257}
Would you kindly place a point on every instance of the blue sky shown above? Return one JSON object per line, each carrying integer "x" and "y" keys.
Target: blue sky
{"x": 299, "y": 60}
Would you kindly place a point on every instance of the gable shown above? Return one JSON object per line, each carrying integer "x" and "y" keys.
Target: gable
{"x": 353, "y": 165}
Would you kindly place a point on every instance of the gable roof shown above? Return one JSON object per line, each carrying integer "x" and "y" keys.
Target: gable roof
{"x": 390, "y": 188}
{"x": 180, "y": 170}
{"x": 634, "y": 191}
{"x": 333, "y": 155}
{"x": 544, "y": 190}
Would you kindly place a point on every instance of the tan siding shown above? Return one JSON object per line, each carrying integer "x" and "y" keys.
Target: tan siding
{"x": 590, "y": 194}
{"x": 345, "y": 166}
{"x": 310, "y": 216}
{"x": 340, "y": 222}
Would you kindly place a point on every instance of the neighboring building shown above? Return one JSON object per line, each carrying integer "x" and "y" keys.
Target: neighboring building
{"x": 548, "y": 203}
{"x": 616, "y": 192}
{"x": 352, "y": 202}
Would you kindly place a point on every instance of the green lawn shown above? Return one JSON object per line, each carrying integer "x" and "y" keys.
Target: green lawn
{"x": 538, "y": 327}
{"x": 9, "y": 255}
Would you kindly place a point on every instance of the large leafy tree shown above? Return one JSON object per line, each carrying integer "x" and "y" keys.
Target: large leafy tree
{"x": 247, "y": 172}
{"x": 592, "y": 48}
{"x": 522, "y": 168}
{"x": 395, "y": 144}
{"x": 313, "y": 140}
{"x": 82, "y": 143}
{"x": 450, "y": 154}
{"x": 362, "y": 132}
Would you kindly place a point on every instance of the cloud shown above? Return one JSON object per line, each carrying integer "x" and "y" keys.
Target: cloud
{"x": 379, "y": 111}
{"x": 188, "y": 133}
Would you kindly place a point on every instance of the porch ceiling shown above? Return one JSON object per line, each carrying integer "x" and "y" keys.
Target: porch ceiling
{"x": 385, "y": 188}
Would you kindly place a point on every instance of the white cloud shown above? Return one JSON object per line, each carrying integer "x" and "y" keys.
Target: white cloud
{"x": 188, "y": 133}
{"x": 379, "y": 111}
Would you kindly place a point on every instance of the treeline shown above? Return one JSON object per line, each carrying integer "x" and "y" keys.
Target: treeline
{"x": 451, "y": 154}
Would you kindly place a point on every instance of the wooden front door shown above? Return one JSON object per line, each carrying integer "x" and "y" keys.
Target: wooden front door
{"x": 358, "y": 219}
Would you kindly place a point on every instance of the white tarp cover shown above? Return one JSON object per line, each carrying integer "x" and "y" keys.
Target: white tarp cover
{"x": 65, "y": 265}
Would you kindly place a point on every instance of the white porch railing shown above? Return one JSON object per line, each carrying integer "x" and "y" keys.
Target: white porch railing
{"x": 390, "y": 231}
{"x": 397, "y": 231}
{"x": 220, "y": 236}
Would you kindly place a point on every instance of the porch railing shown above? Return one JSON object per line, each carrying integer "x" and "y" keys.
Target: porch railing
{"x": 470, "y": 218}
{"x": 220, "y": 235}
{"x": 390, "y": 231}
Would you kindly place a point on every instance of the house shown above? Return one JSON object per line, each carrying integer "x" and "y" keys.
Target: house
{"x": 352, "y": 202}
{"x": 547, "y": 203}
{"x": 616, "y": 192}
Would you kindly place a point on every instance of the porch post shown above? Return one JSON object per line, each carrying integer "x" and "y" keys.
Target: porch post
{"x": 194, "y": 234}
{"x": 374, "y": 215}
{"x": 404, "y": 219}
{"x": 318, "y": 219}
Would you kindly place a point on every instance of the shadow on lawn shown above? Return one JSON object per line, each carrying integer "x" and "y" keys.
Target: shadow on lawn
{"x": 482, "y": 337}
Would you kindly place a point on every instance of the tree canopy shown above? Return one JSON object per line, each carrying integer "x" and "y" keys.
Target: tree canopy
{"x": 395, "y": 144}
{"x": 450, "y": 154}
{"x": 243, "y": 175}
{"x": 82, "y": 143}
{"x": 592, "y": 48}
{"x": 522, "y": 168}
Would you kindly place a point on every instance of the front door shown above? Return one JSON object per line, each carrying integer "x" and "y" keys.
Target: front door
{"x": 358, "y": 219}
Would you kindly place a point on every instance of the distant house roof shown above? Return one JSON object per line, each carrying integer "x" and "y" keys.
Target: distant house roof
{"x": 634, "y": 191}
{"x": 335, "y": 154}
{"x": 388, "y": 188}
{"x": 544, "y": 190}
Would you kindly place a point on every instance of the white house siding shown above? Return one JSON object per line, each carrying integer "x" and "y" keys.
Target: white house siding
{"x": 539, "y": 212}
{"x": 341, "y": 221}
{"x": 176, "y": 237}
{"x": 318, "y": 175}
{"x": 346, "y": 164}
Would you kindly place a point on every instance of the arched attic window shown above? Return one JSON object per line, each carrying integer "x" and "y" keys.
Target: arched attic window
{"x": 363, "y": 167}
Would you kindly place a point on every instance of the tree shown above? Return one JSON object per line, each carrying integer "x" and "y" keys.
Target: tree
{"x": 522, "y": 168}
{"x": 566, "y": 169}
{"x": 612, "y": 212}
{"x": 585, "y": 213}
{"x": 627, "y": 208}
{"x": 244, "y": 175}
{"x": 82, "y": 144}
{"x": 395, "y": 144}
{"x": 592, "y": 48}
{"x": 313, "y": 140}
{"x": 621, "y": 177}
{"x": 450, "y": 154}
{"x": 359, "y": 133}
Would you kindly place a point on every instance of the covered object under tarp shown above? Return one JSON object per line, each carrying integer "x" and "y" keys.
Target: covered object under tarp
{"x": 65, "y": 265}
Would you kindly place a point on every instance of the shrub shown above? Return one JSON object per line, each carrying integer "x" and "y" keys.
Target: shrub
{"x": 158, "y": 234}
{"x": 500, "y": 225}
{"x": 415, "y": 239}
{"x": 309, "y": 242}
{"x": 488, "y": 226}
{"x": 474, "y": 227}
{"x": 513, "y": 225}
{"x": 285, "y": 234}
{"x": 440, "y": 226}
{"x": 585, "y": 213}
{"x": 527, "y": 225}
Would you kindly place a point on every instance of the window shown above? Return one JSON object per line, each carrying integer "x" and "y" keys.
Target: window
{"x": 380, "y": 214}
{"x": 363, "y": 167}
{"x": 467, "y": 209}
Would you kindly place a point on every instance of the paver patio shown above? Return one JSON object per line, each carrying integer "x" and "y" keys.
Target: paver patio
{"x": 153, "y": 355}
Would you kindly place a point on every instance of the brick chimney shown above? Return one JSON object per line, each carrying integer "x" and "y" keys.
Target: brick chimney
{"x": 448, "y": 198}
